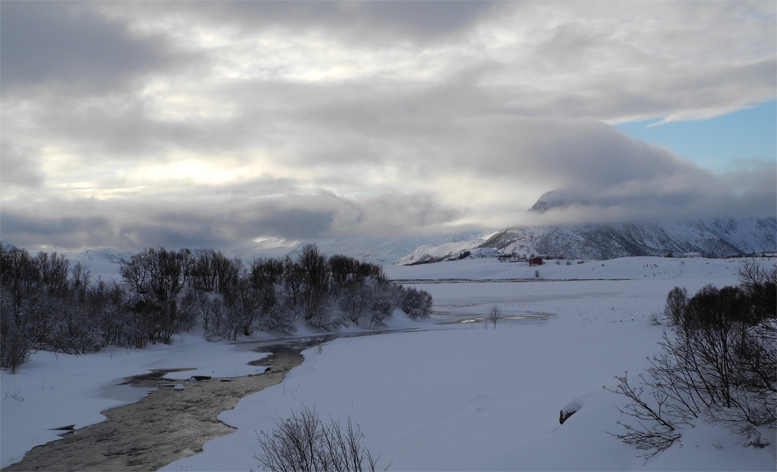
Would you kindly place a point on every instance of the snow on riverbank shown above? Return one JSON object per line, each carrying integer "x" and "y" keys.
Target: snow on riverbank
{"x": 56, "y": 390}
{"x": 456, "y": 397}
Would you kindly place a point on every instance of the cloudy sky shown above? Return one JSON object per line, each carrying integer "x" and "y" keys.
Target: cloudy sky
{"x": 216, "y": 124}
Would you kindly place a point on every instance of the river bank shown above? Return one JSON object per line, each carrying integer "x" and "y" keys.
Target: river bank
{"x": 169, "y": 424}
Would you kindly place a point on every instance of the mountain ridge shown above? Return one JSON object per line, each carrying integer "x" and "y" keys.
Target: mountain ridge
{"x": 713, "y": 237}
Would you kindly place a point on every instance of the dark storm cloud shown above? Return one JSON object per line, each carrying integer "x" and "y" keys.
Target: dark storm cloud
{"x": 45, "y": 42}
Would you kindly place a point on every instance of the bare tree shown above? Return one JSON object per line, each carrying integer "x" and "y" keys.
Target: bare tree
{"x": 53, "y": 270}
{"x": 761, "y": 285}
{"x": 157, "y": 276}
{"x": 316, "y": 277}
{"x": 80, "y": 278}
{"x": 494, "y": 314}
{"x": 676, "y": 306}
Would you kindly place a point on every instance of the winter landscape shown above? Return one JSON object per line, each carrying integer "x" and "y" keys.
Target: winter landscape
{"x": 388, "y": 235}
{"x": 451, "y": 392}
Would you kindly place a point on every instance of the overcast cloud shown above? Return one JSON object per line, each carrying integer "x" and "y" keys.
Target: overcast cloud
{"x": 213, "y": 124}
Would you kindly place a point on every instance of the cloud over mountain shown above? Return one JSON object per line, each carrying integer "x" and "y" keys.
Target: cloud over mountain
{"x": 215, "y": 123}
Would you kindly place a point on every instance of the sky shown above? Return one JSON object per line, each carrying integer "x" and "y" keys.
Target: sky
{"x": 219, "y": 124}
{"x": 718, "y": 144}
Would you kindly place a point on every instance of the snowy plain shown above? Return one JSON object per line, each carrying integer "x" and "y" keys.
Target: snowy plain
{"x": 443, "y": 396}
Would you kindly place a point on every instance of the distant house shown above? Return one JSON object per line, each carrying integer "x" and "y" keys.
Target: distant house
{"x": 691, "y": 254}
{"x": 535, "y": 261}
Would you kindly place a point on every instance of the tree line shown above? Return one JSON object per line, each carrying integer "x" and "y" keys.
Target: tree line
{"x": 49, "y": 304}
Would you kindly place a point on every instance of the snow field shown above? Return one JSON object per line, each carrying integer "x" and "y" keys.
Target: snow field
{"x": 472, "y": 398}
{"x": 468, "y": 399}
{"x": 630, "y": 268}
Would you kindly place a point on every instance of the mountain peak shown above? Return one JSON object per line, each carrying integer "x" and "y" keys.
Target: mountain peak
{"x": 553, "y": 199}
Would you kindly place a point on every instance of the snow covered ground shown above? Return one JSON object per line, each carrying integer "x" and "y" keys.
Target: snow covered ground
{"x": 56, "y": 390}
{"x": 443, "y": 397}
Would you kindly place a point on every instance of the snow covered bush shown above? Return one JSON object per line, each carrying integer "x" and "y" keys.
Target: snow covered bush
{"x": 718, "y": 365}
{"x": 416, "y": 303}
{"x": 384, "y": 298}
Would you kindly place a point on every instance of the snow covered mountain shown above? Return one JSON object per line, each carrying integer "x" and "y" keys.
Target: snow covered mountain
{"x": 711, "y": 237}
{"x": 556, "y": 199}
{"x": 449, "y": 251}
{"x": 717, "y": 237}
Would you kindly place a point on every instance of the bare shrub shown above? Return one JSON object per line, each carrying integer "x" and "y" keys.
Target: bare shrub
{"x": 15, "y": 346}
{"x": 718, "y": 365}
{"x": 304, "y": 443}
{"x": 653, "y": 432}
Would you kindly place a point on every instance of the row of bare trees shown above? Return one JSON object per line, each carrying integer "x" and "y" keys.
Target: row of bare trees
{"x": 718, "y": 365}
{"x": 232, "y": 299}
{"x": 49, "y": 304}
{"x": 45, "y": 303}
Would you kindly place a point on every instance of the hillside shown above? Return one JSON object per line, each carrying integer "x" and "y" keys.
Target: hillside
{"x": 717, "y": 237}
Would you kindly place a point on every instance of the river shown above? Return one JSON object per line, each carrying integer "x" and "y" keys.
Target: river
{"x": 165, "y": 426}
